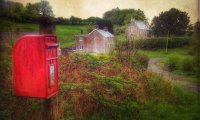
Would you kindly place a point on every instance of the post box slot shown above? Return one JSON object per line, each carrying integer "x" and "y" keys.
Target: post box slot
{"x": 54, "y": 45}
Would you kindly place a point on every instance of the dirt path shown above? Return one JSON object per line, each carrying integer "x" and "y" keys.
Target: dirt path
{"x": 179, "y": 79}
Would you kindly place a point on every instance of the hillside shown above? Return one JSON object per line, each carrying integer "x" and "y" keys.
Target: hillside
{"x": 65, "y": 33}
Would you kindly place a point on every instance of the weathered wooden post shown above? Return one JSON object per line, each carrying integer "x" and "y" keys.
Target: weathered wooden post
{"x": 167, "y": 42}
{"x": 47, "y": 26}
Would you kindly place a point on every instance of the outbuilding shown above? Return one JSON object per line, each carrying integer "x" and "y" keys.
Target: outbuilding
{"x": 97, "y": 41}
{"x": 138, "y": 29}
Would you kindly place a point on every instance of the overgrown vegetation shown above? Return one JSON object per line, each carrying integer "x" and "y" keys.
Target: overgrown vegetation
{"x": 99, "y": 88}
{"x": 126, "y": 50}
{"x": 195, "y": 45}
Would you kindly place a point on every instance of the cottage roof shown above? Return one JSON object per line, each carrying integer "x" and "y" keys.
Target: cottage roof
{"x": 141, "y": 24}
{"x": 103, "y": 33}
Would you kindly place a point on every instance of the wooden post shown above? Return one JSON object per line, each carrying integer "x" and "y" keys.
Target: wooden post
{"x": 47, "y": 26}
{"x": 167, "y": 42}
{"x": 48, "y": 109}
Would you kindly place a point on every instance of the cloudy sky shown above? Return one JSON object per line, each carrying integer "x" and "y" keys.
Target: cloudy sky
{"x": 87, "y": 8}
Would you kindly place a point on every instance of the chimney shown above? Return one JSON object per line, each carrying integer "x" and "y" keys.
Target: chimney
{"x": 97, "y": 27}
{"x": 105, "y": 28}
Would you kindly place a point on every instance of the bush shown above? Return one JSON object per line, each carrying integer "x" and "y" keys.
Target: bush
{"x": 160, "y": 42}
{"x": 93, "y": 60}
{"x": 119, "y": 30}
{"x": 195, "y": 45}
{"x": 140, "y": 61}
{"x": 172, "y": 62}
{"x": 187, "y": 64}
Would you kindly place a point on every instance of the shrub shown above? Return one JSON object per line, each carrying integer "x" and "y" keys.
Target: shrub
{"x": 160, "y": 42}
{"x": 119, "y": 30}
{"x": 93, "y": 60}
{"x": 186, "y": 64}
{"x": 140, "y": 61}
{"x": 172, "y": 62}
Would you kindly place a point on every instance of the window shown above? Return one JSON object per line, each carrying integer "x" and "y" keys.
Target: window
{"x": 81, "y": 44}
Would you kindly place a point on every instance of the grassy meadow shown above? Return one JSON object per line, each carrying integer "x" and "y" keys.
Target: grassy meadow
{"x": 65, "y": 33}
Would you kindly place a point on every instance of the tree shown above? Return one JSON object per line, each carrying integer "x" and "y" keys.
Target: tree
{"x": 92, "y": 20}
{"x": 2, "y": 8}
{"x": 34, "y": 12}
{"x": 12, "y": 10}
{"x": 75, "y": 20}
{"x": 45, "y": 8}
{"x": 174, "y": 22}
{"x": 105, "y": 23}
{"x": 196, "y": 44}
{"x": 40, "y": 8}
{"x": 122, "y": 17}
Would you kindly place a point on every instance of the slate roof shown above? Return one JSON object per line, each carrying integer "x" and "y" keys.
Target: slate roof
{"x": 141, "y": 24}
{"x": 103, "y": 33}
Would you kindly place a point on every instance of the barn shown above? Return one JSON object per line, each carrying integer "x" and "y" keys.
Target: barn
{"x": 138, "y": 29}
{"x": 97, "y": 41}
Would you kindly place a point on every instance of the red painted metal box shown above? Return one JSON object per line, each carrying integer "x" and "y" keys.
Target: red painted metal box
{"x": 35, "y": 62}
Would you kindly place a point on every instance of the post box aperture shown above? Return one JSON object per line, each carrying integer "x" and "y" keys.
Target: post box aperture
{"x": 35, "y": 62}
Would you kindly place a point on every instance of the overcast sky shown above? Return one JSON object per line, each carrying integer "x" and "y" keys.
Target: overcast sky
{"x": 87, "y": 8}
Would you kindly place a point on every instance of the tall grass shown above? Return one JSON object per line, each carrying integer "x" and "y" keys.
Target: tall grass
{"x": 122, "y": 93}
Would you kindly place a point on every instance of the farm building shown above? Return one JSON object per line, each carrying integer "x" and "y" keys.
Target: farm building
{"x": 97, "y": 41}
{"x": 138, "y": 29}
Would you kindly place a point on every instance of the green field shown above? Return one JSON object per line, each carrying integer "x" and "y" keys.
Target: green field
{"x": 65, "y": 33}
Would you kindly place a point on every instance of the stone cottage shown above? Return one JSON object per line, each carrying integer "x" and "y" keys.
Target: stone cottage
{"x": 138, "y": 29}
{"x": 97, "y": 41}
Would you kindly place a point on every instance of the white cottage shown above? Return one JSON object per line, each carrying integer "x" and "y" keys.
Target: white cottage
{"x": 138, "y": 29}
{"x": 97, "y": 41}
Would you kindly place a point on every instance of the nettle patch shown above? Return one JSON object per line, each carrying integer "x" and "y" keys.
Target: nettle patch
{"x": 101, "y": 87}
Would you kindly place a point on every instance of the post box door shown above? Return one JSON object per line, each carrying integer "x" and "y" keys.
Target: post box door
{"x": 51, "y": 64}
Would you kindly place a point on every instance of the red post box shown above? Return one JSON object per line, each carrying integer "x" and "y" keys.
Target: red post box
{"x": 35, "y": 63}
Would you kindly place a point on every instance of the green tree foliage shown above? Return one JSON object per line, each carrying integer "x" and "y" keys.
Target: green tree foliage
{"x": 174, "y": 22}
{"x": 75, "y": 20}
{"x": 121, "y": 17}
{"x": 105, "y": 23}
{"x": 12, "y": 10}
{"x": 45, "y": 8}
{"x": 32, "y": 12}
{"x": 92, "y": 20}
{"x": 196, "y": 44}
{"x": 15, "y": 11}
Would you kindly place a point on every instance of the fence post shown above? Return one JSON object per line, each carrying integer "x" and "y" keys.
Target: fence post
{"x": 167, "y": 42}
